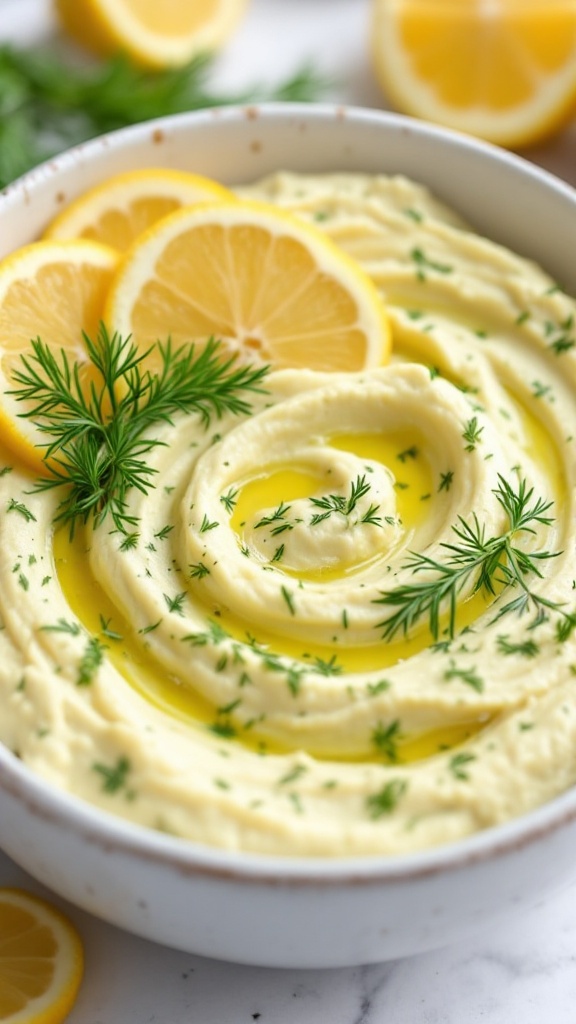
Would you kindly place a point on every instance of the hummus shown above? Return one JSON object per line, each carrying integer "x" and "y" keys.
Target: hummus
{"x": 235, "y": 674}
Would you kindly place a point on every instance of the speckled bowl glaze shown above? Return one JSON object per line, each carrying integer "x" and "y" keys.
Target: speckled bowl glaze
{"x": 277, "y": 911}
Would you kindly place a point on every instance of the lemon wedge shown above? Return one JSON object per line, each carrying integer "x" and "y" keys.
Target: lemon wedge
{"x": 41, "y": 960}
{"x": 504, "y": 70}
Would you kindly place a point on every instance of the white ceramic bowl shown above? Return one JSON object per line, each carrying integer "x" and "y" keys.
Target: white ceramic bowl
{"x": 256, "y": 909}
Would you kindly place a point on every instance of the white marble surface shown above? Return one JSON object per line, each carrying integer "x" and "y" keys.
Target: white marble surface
{"x": 520, "y": 973}
{"x": 524, "y": 971}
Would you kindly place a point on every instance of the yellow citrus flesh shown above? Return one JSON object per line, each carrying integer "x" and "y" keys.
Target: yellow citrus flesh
{"x": 41, "y": 960}
{"x": 55, "y": 291}
{"x": 153, "y": 34}
{"x": 504, "y": 70}
{"x": 121, "y": 208}
{"x": 272, "y": 286}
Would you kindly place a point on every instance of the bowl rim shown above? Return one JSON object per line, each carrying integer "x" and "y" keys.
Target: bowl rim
{"x": 270, "y": 111}
{"x": 102, "y": 828}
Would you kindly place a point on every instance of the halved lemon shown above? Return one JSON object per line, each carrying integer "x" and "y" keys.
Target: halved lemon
{"x": 152, "y": 33}
{"x": 272, "y": 286}
{"x": 55, "y": 291}
{"x": 41, "y": 960}
{"x": 122, "y": 207}
{"x": 504, "y": 70}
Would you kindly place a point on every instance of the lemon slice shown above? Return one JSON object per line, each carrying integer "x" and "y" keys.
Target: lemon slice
{"x": 152, "y": 33}
{"x": 121, "y": 208}
{"x": 504, "y": 70}
{"x": 273, "y": 286}
{"x": 41, "y": 960}
{"x": 55, "y": 291}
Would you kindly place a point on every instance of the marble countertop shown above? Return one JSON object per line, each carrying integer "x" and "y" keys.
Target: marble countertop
{"x": 522, "y": 971}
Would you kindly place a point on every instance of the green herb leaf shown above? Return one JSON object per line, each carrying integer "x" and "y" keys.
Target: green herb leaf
{"x": 386, "y": 799}
{"x": 114, "y": 776}
{"x": 48, "y": 103}
{"x": 385, "y": 738}
{"x": 458, "y": 763}
{"x": 495, "y": 562}
{"x": 97, "y": 443}
{"x": 472, "y": 434}
{"x": 90, "y": 661}
{"x": 331, "y": 503}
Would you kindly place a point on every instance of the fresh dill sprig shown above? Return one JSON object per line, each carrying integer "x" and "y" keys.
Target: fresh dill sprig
{"x": 48, "y": 102}
{"x": 97, "y": 439}
{"x": 496, "y": 562}
{"x": 331, "y": 503}
{"x": 277, "y": 520}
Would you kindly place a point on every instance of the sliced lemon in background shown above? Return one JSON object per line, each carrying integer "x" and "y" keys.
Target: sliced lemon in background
{"x": 277, "y": 289}
{"x": 504, "y": 70}
{"x": 41, "y": 960}
{"x": 52, "y": 290}
{"x": 154, "y": 33}
{"x": 122, "y": 207}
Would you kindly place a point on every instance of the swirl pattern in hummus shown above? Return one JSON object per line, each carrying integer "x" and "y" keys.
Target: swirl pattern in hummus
{"x": 223, "y": 674}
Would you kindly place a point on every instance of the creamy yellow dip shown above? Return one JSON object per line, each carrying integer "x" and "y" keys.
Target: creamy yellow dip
{"x": 226, "y": 676}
